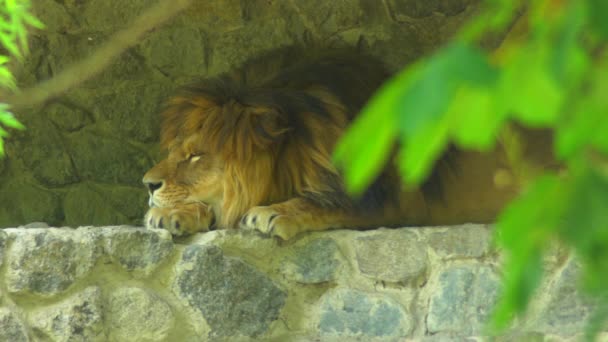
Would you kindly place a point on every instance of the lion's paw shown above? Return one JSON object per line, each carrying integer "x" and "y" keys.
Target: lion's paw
{"x": 269, "y": 221}
{"x": 184, "y": 220}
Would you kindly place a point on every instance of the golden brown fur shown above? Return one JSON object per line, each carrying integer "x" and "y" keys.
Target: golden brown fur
{"x": 257, "y": 154}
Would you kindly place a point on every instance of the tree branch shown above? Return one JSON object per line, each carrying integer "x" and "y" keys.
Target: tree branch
{"x": 92, "y": 65}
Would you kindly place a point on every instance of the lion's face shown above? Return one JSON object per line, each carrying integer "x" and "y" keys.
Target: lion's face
{"x": 189, "y": 174}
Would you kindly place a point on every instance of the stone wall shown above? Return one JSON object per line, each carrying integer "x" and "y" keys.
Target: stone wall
{"x": 82, "y": 156}
{"x": 131, "y": 284}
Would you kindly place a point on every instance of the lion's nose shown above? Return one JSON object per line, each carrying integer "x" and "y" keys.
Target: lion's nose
{"x": 153, "y": 186}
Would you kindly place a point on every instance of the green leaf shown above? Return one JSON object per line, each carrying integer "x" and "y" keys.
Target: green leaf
{"x": 587, "y": 208}
{"x": 10, "y": 45}
{"x": 33, "y": 21}
{"x": 522, "y": 275}
{"x": 7, "y": 119}
{"x": 427, "y": 99}
{"x": 476, "y": 118}
{"x": 416, "y": 159}
{"x": 573, "y": 135}
{"x": 365, "y": 146}
{"x": 568, "y": 60}
{"x": 534, "y": 210}
{"x": 523, "y": 230}
{"x": 529, "y": 89}
{"x": 598, "y": 12}
{"x": 6, "y": 78}
{"x": 587, "y": 124}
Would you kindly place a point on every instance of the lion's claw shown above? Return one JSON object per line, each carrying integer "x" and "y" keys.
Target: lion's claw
{"x": 183, "y": 220}
{"x": 270, "y": 222}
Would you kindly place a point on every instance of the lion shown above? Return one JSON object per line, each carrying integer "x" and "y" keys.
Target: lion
{"x": 252, "y": 149}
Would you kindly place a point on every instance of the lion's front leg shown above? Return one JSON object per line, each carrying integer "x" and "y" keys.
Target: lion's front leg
{"x": 181, "y": 220}
{"x": 287, "y": 219}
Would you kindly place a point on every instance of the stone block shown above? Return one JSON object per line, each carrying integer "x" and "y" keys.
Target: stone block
{"x": 54, "y": 16}
{"x": 135, "y": 314}
{"x": 85, "y": 205}
{"x": 349, "y": 313}
{"x": 43, "y": 151}
{"x": 22, "y": 202}
{"x": 232, "y": 296}
{"x": 108, "y": 15}
{"x": 78, "y": 318}
{"x": 567, "y": 312}
{"x": 186, "y": 44}
{"x": 135, "y": 105}
{"x": 3, "y": 244}
{"x": 48, "y": 261}
{"x": 67, "y": 118}
{"x": 466, "y": 241}
{"x": 313, "y": 262}
{"x": 137, "y": 250}
{"x": 404, "y": 9}
{"x": 391, "y": 256}
{"x": 11, "y": 327}
{"x": 463, "y": 300}
{"x": 113, "y": 161}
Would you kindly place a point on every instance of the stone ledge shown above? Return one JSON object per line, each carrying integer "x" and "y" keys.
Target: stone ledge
{"x": 126, "y": 283}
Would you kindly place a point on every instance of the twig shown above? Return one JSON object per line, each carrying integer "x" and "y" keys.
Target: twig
{"x": 92, "y": 65}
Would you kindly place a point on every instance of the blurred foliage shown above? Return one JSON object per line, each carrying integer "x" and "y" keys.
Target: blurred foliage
{"x": 553, "y": 74}
{"x": 15, "y": 17}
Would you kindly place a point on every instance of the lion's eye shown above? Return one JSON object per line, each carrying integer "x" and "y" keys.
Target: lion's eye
{"x": 192, "y": 157}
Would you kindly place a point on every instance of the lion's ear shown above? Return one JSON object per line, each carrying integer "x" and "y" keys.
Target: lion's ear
{"x": 266, "y": 126}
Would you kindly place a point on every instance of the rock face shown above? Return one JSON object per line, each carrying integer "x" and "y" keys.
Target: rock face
{"x": 346, "y": 312}
{"x": 126, "y": 283}
{"x": 233, "y": 297}
{"x": 82, "y": 156}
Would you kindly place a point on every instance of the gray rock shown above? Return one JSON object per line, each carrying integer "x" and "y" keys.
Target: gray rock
{"x": 76, "y": 318}
{"x": 67, "y": 118}
{"x": 466, "y": 241}
{"x": 130, "y": 201}
{"x": 404, "y": 9}
{"x": 136, "y": 105}
{"x": 567, "y": 311}
{"x": 48, "y": 261}
{"x": 35, "y": 225}
{"x": 315, "y": 262}
{"x": 186, "y": 44}
{"x": 233, "y": 49}
{"x": 67, "y": 49}
{"x": 3, "y": 244}
{"x": 85, "y": 205}
{"x": 136, "y": 314}
{"x": 463, "y": 300}
{"x": 108, "y": 15}
{"x": 54, "y": 15}
{"x": 392, "y": 256}
{"x": 43, "y": 151}
{"x": 114, "y": 161}
{"x": 232, "y": 296}
{"x": 3, "y": 164}
{"x": 325, "y": 18}
{"x": 347, "y": 313}
{"x": 11, "y": 327}
{"x": 22, "y": 202}
{"x": 92, "y": 204}
{"x": 137, "y": 250}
